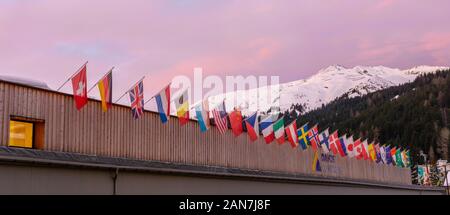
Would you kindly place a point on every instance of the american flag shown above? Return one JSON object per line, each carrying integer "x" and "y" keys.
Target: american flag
{"x": 137, "y": 100}
{"x": 220, "y": 118}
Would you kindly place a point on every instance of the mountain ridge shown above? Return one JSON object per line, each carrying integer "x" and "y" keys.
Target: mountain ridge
{"x": 321, "y": 88}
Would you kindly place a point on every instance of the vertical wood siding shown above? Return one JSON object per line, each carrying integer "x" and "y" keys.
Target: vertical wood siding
{"x": 117, "y": 134}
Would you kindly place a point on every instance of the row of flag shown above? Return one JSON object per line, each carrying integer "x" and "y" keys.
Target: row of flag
{"x": 272, "y": 127}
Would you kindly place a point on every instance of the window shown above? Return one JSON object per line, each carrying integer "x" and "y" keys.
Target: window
{"x": 20, "y": 134}
{"x": 26, "y": 133}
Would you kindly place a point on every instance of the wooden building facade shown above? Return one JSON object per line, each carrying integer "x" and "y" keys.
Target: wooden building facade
{"x": 60, "y": 127}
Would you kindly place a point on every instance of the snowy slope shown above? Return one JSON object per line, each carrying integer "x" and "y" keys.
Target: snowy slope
{"x": 321, "y": 88}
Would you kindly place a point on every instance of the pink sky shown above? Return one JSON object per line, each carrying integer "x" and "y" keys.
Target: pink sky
{"x": 48, "y": 39}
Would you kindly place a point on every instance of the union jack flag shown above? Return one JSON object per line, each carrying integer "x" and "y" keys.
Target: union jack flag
{"x": 137, "y": 100}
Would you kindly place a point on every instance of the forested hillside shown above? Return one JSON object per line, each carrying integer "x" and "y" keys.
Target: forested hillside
{"x": 411, "y": 115}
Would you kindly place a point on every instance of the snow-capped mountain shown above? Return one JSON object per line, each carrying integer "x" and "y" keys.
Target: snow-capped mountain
{"x": 321, "y": 88}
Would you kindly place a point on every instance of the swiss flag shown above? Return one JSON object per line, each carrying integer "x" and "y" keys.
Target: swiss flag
{"x": 79, "y": 85}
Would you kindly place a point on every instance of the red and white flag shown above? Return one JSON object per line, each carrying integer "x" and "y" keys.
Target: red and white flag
{"x": 349, "y": 146}
{"x": 291, "y": 131}
{"x": 359, "y": 149}
{"x": 79, "y": 85}
{"x": 333, "y": 141}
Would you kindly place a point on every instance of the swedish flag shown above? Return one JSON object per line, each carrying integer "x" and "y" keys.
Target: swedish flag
{"x": 302, "y": 134}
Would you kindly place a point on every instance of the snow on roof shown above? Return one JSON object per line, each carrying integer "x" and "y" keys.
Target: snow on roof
{"x": 25, "y": 81}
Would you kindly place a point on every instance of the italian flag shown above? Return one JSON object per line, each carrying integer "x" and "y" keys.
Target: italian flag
{"x": 278, "y": 129}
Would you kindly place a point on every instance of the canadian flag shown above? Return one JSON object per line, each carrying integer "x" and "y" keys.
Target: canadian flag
{"x": 360, "y": 149}
{"x": 79, "y": 85}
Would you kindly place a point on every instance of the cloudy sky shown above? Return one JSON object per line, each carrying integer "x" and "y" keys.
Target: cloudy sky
{"x": 48, "y": 39}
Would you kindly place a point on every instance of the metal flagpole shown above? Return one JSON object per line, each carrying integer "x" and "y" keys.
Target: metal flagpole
{"x": 155, "y": 95}
{"x": 96, "y": 83}
{"x": 71, "y": 76}
{"x": 149, "y": 100}
{"x": 129, "y": 89}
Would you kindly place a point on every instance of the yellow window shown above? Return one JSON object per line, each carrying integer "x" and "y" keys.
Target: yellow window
{"x": 20, "y": 134}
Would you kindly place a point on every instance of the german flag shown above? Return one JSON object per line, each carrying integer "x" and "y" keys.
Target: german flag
{"x": 105, "y": 87}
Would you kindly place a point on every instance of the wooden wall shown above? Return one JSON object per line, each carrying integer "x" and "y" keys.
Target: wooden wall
{"x": 117, "y": 134}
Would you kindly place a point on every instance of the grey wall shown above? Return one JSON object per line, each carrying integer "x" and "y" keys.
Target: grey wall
{"x": 16, "y": 179}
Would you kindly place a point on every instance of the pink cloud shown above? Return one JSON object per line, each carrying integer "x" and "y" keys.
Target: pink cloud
{"x": 437, "y": 44}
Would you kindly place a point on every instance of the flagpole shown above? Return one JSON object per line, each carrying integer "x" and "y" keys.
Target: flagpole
{"x": 71, "y": 76}
{"x": 149, "y": 100}
{"x": 129, "y": 89}
{"x": 96, "y": 83}
{"x": 292, "y": 123}
{"x": 156, "y": 94}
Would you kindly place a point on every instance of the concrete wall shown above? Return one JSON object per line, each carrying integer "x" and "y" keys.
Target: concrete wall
{"x": 21, "y": 179}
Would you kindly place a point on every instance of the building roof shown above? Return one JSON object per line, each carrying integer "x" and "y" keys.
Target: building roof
{"x": 25, "y": 81}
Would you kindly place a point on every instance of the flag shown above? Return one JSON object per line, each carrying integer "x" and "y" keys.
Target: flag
{"x": 266, "y": 126}
{"x": 236, "y": 122}
{"x": 421, "y": 174}
{"x": 316, "y": 163}
{"x": 291, "y": 131}
{"x": 359, "y": 150}
{"x": 349, "y": 147}
{"x": 105, "y": 88}
{"x": 323, "y": 137}
{"x": 342, "y": 149}
{"x": 137, "y": 100}
{"x": 79, "y": 85}
{"x": 314, "y": 138}
{"x": 371, "y": 150}
{"x": 404, "y": 159}
{"x": 408, "y": 158}
{"x": 163, "y": 103}
{"x": 336, "y": 144}
{"x": 278, "y": 129}
{"x": 398, "y": 158}
{"x": 383, "y": 154}
{"x": 220, "y": 117}
{"x": 394, "y": 159}
{"x": 303, "y": 136}
{"x": 333, "y": 141}
{"x": 378, "y": 153}
{"x": 366, "y": 150}
{"x": 389, "y": 159}
{"x": 251, "y": 123}
{"x": 202, "y": 114}
{"x": 182, "y": 105}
